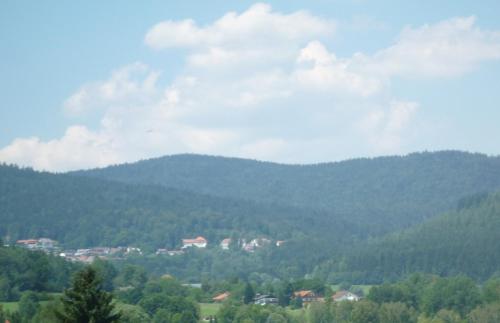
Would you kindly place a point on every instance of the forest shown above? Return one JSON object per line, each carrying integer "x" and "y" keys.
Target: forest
{"x": 420, "y": 230}
{"x": 444, "y": 202}
{"x": 381, "y": 194}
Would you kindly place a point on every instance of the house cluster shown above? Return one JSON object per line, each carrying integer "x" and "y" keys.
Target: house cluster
{"x": 44, "y": 244}
{"x": 201, "y": 243}
{"x": 198, "y": 242}
{"x": 79, "y": 255}
{"x": 254, "y": 244}
{"x": 306, "y": 297}
{"x": 90, "y": 254}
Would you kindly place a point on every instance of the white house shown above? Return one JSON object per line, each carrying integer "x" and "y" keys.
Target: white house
{"x": 265, "y": 300}
{"x": 225, "y": 244}
{"x": 344, "y": 295}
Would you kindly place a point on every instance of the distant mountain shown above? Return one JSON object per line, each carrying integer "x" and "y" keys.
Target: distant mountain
{"x": 464, "y": 241}
{"x": 81, "y": 212}
{"x": 385, "y": 193}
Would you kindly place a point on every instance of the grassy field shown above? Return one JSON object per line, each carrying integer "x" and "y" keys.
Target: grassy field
{"x": 13, "y": 306}
{"x": 10, "y": 306}
{"x": 208, "y": 309}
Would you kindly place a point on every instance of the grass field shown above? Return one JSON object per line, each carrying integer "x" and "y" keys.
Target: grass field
{"x": 9, "y": 306}
{"x": 208, "y": 309}
{"x": 13, "y": 306}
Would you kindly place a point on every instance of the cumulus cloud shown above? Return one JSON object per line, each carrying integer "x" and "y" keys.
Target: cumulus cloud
{"x": 256, "y": 27}
{"x": 125, "y": 85}
{"x": 77, "y": 148}
{"x": 329, "y": 73}
{"x": 236, "y": 42}
{"x": 258, "y": 84}
{"x": 448, "y": 48}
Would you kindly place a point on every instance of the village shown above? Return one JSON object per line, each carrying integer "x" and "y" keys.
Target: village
{"x": 301, "y": 298}
{"x": 88, "y": 255}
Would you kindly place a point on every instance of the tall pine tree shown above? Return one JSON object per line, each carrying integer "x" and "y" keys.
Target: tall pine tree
{"x": 86, "y": 302}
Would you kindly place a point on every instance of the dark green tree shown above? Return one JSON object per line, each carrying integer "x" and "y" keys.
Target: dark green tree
{"x": 86, "y": 301}
{"x": 28, "y": 306}
{"x": 365, "y": 312}
{"x": 285, "y": 294}
{"x": 249, "y": 294}
{"x": 107, "y": 272}
{"x": 396, "y": 313}
{"x": 491, "y": 290}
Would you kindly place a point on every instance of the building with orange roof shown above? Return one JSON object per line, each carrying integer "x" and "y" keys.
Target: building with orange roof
{"x": 221, "y": 297}
{"x": 307, "y": 296}
{"x": 198, "y": 242}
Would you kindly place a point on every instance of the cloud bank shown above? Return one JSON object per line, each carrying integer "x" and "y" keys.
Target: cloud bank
{"x": 259, "y": 84}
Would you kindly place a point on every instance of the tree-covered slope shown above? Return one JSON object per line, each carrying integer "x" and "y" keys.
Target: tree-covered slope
{"x": 463, "y": 241}
{"x": 386, "y": 192}
{"x": 81, "y": 212}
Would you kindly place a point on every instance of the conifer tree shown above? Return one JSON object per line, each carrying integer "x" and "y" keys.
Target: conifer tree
{"x": 249, "y": 294}
{"x": 86, "y": 302}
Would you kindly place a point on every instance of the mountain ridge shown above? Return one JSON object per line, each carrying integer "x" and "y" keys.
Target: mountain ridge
{"x": 376, "y": 190}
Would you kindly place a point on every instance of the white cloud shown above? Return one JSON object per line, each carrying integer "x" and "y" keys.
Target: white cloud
{"x": 258, "y": 84}
{"x": 448, "y": 48}
{"x": 237, "y": 43}
{"x": 78, "y": 148}
{"x": 329, "y": 73}
{"x": 124, "y": 86}
{"x": 256, "y": 27}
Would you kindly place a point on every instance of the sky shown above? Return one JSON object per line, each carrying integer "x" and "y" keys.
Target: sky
{"x": 96, "y": 83}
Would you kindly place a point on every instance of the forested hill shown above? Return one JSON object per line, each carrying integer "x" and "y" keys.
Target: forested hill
{"x": 464, "y": 241}
{"x": 81, "y": 212}
{"x": 386, "y": 192}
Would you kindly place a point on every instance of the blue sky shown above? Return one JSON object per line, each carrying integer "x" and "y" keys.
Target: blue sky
{"x": 98, "y": 83}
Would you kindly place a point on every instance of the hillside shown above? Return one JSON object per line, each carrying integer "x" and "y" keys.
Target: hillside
{"x": 464, "y": 241}
{"x": 386, "y": 193}
{"x": 321, "y": 210}
{"x": 81, "y": 212}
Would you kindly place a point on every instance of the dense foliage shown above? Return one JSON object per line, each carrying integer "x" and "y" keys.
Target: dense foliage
{"x": 418, "y": 299}
{"x": 464, "y": 241}
{"x": 141, "y": 298}
{"x": 22, "y": 270}
{"x": 86, "y": 301}
{"x": 386, "y": 192}
{"x": 292, "y": 260}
